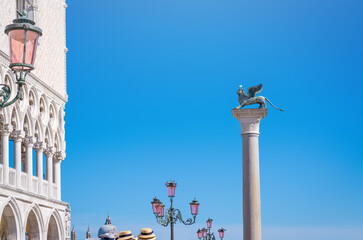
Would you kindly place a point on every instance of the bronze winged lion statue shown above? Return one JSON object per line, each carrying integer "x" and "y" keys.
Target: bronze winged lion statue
{"x": 245, "y": 100}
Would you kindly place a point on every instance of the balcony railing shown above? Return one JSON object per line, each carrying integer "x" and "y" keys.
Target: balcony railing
{"x": 24, "y": 183}
{"x": 12, "y": 177}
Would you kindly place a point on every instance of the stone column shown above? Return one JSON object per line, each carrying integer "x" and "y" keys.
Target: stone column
{"x": 250, "y": 124}
{"x": 18, "y": 136}
{"x": 39, "y": 149}
{"x": 60, "y": 156}
{"x": 29, "y": 143}
{"x": 49, "y": 153}
{"x": 5, "y": 133}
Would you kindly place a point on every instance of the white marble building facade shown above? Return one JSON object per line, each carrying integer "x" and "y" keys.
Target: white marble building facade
{"x": 32, "y": 135}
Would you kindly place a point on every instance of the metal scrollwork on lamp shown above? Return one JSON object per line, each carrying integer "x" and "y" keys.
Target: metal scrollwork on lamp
{"x": 23, "y": 35}
{"x": 173, "y": 215}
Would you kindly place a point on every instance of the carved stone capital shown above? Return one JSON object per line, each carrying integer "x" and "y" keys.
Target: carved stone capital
{"x": 40, "y": 146}
{"x": 6, "y": 129}
{"x": 18, "y": 135}
{"x": 250, "y": 119}
{"x": 49, "y": 152}
{"x": 60, "y": 155}
{"x": 30, "y": 141}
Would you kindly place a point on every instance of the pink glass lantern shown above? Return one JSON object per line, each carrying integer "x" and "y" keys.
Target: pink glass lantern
{"x": 209, "y": 223}
{"x": 221, "y": 232}
{"x": 171, "y": 186}
{"x": 204, "y": 232}
{"x": 194, "y": 206}
{"x": 199, "y": 233}
{"x": 155, "y": 204}
{"x": 161, "y": 209}
{"x": 23, "y": 37}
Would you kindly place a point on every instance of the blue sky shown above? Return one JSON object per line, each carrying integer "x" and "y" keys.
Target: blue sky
{"x": 151, "y": 86}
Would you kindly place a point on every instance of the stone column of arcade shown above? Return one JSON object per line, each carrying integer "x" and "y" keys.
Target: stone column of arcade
{"x": 39, "y": 149}
{"x": 49, "y": 153}
{"x": 60, "y": 156}
{"x": 17, "y": 136}
{"x": 250, "y": 125}
{"x": 5, "y": 133}
{"x": 29, "y": 143}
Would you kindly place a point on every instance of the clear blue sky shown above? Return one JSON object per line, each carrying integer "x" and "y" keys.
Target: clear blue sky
{"x": 151, "y": 86}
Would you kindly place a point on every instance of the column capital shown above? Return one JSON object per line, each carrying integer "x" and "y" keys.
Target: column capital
{"x": 29, "y": 140}
{"x": 40, "y": 146}
{"x": 60, "y": 155}
{"x": 18, "y": 135}
{"x": 250, "y": 119}
{"x": 49, "y": 151}
{"x": 6, "y": 129}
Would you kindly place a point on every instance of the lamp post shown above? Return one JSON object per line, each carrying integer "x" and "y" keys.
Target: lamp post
{"x": 206, "y": 234}
{"x": 172, "y": 214}
{"x": 23, "y": 35}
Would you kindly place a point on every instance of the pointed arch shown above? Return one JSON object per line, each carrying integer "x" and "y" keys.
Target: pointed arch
{"x": 52, "y": 116}
{"x": 48, "y": 137}
{"x": 34, "y": 224}
{"x": 38, "y": 131}
{"x": 28, "y": 125}
{"x": 24, "y": 103}
{"x": 54, "y": 226}
{"x": 10, "y": 218}
{"x": 43, "y": 108}
{"x": 15, "y": 118}
{"x": 33, "y": 102}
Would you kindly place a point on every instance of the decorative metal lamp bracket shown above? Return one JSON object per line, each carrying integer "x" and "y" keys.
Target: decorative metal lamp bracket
{"x": 5, "y": 91}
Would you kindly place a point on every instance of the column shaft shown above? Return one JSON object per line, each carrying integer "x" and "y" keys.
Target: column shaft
{"x": 57, "y": 176}
{"x": 17, "y": 136}
{"x": 17, "y": 160}
{"x": 40, "y": 146}
{"x": 251, "y": 188}
{"x": 29, "y": 143}
{"x": 49, "y": 157}
{"x": 5, "y": 132}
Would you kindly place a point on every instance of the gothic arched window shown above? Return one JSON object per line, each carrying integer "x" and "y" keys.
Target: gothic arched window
{"x": 27, "y": 5}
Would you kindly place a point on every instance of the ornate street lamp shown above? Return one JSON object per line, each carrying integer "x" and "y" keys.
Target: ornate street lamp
{"x": 209, "y": 223}
{"x": 221, "y": 232}
{"x": 200, "y": 234}
{"x": 206, "y": 234}
{"x": 23, "y": 35}
{"x": 155, "y": 204}
{"x": 172, "y": 214}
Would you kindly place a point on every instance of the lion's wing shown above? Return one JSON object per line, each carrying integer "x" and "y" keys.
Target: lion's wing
{"x": 253, "y": 91}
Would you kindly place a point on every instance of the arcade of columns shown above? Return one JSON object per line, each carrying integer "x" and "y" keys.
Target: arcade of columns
{"x": 34, "y": 123}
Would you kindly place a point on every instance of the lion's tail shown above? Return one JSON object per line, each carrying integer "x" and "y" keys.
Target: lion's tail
{"x": 273, "y": 105}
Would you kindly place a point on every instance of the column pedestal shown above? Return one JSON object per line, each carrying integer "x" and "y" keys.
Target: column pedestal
{"x": 250, "y": 125}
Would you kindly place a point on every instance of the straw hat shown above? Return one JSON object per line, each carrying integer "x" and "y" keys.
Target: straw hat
{"x": 125, "y": 235}
{"x": 147, "y": 233}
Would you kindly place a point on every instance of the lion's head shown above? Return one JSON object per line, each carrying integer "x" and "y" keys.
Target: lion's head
{"x": 241, "y": 92}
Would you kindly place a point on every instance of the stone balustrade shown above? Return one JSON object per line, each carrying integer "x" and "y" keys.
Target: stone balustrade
{"x": 51, "y": 191}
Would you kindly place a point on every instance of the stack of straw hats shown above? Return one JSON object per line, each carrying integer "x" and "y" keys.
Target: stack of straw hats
{"x": 125, "y": 235}
{"x": 146, "y": 234}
